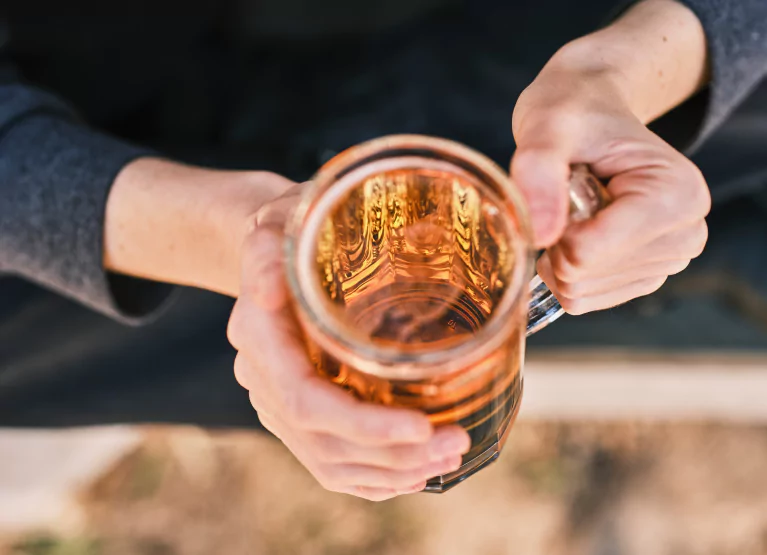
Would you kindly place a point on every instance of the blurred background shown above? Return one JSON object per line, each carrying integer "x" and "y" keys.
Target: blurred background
{"x": 612, "y": 455}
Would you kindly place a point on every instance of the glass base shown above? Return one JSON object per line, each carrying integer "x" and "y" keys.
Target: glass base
{"x": 441, "y": 484}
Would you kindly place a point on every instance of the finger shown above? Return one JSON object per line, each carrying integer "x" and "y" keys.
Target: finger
{"x": 263, "y": 265}
{"x": 541, "y": 167}
{"x": 648, "y": 203}
{"x": 383, "y": 494}
{"x": 255, "y": 379}
{"x": 687, "y": 242}
{"x": 602, "y": 286}
{"x": 273, "y": 425}
{"x": 546, "y": 273}
{"x": 262, "y": 403}
{"x": 684, "y": 244}
{"x": 542, "y": 175}
{"x": 336, "y": 478}
{"x": 677, "y": 182}
{"x": 630, "y": 292}
{"x": 245, "y": 374}
{"x": 263, "y": 268}
{"x": 420, "y": 486}
{"x": 341, "y": 476}
{"x": 447, "y": 442}
{"x": 321, "y": 406}
{"x": 311, "y": 402}
{"x": 278, "y": 212}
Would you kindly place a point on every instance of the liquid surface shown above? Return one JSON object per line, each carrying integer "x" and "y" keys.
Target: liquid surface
{"x": 408, "y": 313}
{"x": 405, "y": 229}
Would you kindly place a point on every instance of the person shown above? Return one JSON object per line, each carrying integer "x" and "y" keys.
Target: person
{"x": 280, "y": 86}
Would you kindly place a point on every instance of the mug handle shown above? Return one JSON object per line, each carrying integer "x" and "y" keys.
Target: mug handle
{"x": 587, "y": 196}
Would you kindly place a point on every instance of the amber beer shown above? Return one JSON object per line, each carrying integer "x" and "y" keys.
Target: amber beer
{"x": 409, "y": 261}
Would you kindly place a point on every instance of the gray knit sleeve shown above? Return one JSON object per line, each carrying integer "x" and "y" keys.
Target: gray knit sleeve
{"x": 736, "y": 32}
{"x": 736, "y": 36}
{"x": 55, "y": 176}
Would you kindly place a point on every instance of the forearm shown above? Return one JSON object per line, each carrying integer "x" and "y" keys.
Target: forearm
{"x": 181, "y": 224}
{"x": 654, "y": 56}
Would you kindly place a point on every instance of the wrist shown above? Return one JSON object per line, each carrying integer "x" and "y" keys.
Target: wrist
{"x": 182, "y": 224}
{"x": 654, "y": 57}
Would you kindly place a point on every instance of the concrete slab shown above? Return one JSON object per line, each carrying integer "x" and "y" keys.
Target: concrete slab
{"x": 41, "y": 471}
{"x": 627, "y": 385}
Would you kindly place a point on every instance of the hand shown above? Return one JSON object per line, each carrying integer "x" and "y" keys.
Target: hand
{"x": 206, "y": 228}
{"x": 578, "y": 110}
{"x": 370, "y": 451}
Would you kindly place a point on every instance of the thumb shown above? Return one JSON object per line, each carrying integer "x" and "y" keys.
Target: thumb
{"x": 263, "y": 268}
{"x": 543, "y": 174}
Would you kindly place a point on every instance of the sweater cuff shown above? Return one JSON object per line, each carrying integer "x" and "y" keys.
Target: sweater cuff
{"x": 736, "y": 35}
{"x": 55, "y": 177}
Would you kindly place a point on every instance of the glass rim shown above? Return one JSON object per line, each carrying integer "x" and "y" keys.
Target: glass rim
{"x": 340, "y": 175}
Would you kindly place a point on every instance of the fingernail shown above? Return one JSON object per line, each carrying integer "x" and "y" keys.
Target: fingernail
{"x": 449, "y": 445}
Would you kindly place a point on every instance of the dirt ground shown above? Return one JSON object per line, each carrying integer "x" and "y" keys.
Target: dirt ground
{"x": 574, "y": 489}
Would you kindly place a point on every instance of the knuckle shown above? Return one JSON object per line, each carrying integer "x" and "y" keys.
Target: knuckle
{"x": 233, "y": 328}
{"x": 267, "y": 176}
{"x": 687, "y": 194}
{"x": 677, "y": 267}
{"x": 406, "y": 479}
{"x": 576, "y": 307}
{"x": 332, "y": 487}
{"x": 522, "y": 113}
{"x": 330, "y": 477}
{"x": 269, "y": 424}
{"x": 554, "y": 118}
{"x": 697, "y": 194}
{"x": 651, "y": 285}
{"x": 578, "y": 252}
{"x": 564, "y": 270}
{"x": 269, "y": 427}
{"x": 255, "y": 401}
{"x": 374, "y": 495}
{"x": 569, "y": 290}
{"x": 242, "y": 372}
{"x": 669, "y": 201}
{"x": 560, "y": 116}
{"x": 700, "y": 238}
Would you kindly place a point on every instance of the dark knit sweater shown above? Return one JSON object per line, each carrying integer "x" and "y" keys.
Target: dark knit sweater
{"x": 56, "y": 170}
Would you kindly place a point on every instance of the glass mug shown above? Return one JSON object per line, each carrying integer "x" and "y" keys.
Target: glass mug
{"x": 409, "y": 261}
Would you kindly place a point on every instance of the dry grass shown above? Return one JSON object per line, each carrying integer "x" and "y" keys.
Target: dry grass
{"x": 623, "y": 489}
